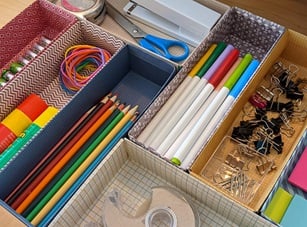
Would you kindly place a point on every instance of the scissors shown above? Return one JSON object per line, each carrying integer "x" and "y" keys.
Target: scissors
{"x": 153, "y": 43}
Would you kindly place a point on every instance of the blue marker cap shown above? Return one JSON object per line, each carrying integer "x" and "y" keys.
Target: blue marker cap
{"x": 235, "y": 91}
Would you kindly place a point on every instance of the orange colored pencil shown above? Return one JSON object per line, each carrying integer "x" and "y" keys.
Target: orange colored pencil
{"x": 56, "y": 169}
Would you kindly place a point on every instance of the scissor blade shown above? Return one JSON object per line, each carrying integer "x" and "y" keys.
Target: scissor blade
{"x": 131, "y": 28}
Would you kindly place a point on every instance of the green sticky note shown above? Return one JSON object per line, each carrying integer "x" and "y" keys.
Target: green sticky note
{"x": 278, "y": 205}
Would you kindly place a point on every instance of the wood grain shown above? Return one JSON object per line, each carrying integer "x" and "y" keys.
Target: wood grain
{"x": 289, "y": 13}
{"x": 9, "y": 9}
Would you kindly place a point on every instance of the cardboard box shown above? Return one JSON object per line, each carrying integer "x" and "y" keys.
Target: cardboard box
{"x": 41, "y": 76}
{"x": 133, "y": 171}
{"x": 44, "y": 81}
{"x": 245, "y": 31}
{"x": 132, "y": 74}
{"x": 290, "y": 50}
{"x": 41, "y": 18}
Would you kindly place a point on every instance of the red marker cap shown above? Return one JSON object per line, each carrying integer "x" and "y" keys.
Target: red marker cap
{"x": 33, "y": 106}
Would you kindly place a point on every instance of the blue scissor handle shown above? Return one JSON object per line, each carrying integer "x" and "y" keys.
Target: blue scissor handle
{"x": 160, "y": 46}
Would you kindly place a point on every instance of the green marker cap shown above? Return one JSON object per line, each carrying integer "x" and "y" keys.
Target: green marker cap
{"x": 176, "y": 161}
{"x": 216, "y": 53}
{"x": 238, "y": 71}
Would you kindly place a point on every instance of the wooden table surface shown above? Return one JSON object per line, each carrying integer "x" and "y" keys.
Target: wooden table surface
{"x": 289, "y": 13}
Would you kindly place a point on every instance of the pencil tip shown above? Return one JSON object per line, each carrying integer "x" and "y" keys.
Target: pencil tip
{"x": 126, "y": 109}
{"x": 114, "y": 97}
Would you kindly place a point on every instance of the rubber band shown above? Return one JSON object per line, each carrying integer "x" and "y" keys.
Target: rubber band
{"x": 81, "y": 63}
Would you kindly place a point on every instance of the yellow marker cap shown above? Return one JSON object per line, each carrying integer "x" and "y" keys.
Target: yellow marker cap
{"x": 46, "y": 116}
{"x": 17, "y": 121}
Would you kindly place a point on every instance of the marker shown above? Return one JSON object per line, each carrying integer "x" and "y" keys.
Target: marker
{"x": 218, "y": 116}
{"x": 168, "y": 124}
{"x": 222, "y": 65}
{"x": 210, "y": 111}
{"x": 27, "y": 135}
{"x": 172, "y": 104}
{"x": 202, "y": 60}
{"x": 219, "y": 49}
{"x": 174, "y": 147}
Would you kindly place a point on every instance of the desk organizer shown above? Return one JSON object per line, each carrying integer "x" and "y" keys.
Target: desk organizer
{"x": 258, "y": 37}
{"x": 290, "y": 50}
{"x": 135, "y": 65}
{"x": 40, "y": 19}
{"x": 44, "y": 79}
{"x": 236, "y": 169}
{"x": 282, "y": 180}
{"x": 141, "y": 78}
{"x": 133, "y": 171}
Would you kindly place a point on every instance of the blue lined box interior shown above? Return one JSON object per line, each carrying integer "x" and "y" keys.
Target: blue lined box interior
{"x": 131, "y": 64}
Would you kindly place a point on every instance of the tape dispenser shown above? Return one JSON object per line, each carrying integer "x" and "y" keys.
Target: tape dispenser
{"x": 166, "y": 207}
{"x": 92, "y": 10}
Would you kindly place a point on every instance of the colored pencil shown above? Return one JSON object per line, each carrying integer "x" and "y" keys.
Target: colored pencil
{"x": 60, "y": 164}
{"x": 57, "y": 196}
{"x": 76, "y": 165}
{"x": 54, "y": 155}
{"x": 72, "y": 190}
{"x": 73, "y": 160}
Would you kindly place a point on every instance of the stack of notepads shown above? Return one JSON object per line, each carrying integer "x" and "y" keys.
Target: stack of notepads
{"x": 72, "y": 159}
{"x": 287, "y": 208}
{"x": 186, "y": 121}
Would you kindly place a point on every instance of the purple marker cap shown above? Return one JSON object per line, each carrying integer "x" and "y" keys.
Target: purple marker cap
{"x": 218, "y": 62}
